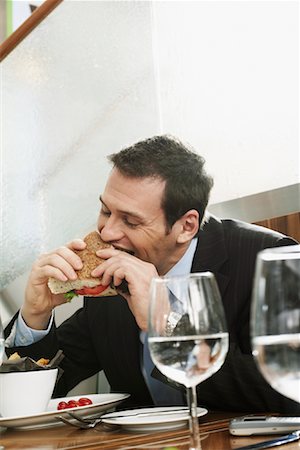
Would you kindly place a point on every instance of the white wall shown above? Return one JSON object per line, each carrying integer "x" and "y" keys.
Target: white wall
{"x": 229, "y": 84}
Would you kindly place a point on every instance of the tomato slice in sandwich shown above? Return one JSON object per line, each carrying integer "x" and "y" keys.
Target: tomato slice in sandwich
{"x": 91, "y": 290}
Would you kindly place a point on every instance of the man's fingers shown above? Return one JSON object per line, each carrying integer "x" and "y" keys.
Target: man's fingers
{"x": 64, "y": 266}
{"x": 65, "y": 261}
{"x": 69, "y": 256}
{"x": 118, "y": 277}
{"x": 109, "y": 252}
{"x": 53, "y": 272}
{"x": 107, "y": 273}
{"x": 76, "y": 244}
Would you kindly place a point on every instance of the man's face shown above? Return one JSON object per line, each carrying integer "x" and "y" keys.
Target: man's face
{"x": 131, "y": 218}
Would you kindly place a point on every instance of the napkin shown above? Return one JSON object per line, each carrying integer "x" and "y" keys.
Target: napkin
{"x": 26, "y": 364}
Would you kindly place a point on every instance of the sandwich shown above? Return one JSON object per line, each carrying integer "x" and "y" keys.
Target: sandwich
{"x": 85, "y": 284}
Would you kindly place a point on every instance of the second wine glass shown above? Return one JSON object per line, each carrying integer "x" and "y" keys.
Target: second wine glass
{"x": 188, "y": 337}
{"x": 275, "y": 318}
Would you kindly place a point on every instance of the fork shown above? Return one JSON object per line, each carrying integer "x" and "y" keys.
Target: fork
{"x": 84, "y": 419}
{"x": 83, "y": 424}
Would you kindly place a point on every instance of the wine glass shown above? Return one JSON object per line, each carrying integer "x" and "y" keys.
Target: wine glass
{"x": 275, "y": 318}
{"x": 187, "y": 333}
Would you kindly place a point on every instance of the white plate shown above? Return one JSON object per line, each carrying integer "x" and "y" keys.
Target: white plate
{"x": 101, "y": 402}
{"x": 151, "y": 419}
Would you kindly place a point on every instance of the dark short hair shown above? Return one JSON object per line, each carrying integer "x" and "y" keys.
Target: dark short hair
{"x": 166, "y": 157}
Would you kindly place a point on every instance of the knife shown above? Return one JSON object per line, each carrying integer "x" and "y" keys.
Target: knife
{"x": 274, "y": 442}
{"x": 145, "y": 414}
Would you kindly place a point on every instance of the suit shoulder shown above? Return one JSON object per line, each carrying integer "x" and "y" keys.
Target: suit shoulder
{"x": 264, "y": 237}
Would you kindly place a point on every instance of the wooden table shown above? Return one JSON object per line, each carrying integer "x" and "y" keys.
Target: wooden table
{"x": 213, "y": 431}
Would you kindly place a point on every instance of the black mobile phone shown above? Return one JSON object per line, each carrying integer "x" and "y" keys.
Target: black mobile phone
{"x": 256, "y": 424}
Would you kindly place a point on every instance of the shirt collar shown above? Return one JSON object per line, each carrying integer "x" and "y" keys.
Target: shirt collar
{"x": 184, "y": 265}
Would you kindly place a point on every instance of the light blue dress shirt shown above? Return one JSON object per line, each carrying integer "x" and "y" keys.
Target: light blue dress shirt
{"x": 23, "y": 335}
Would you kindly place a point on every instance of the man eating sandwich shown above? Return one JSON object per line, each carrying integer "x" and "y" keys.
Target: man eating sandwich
{"x": 154, "y": 221}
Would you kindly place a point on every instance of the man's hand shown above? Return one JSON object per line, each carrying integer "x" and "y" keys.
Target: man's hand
{"x": 138, "y": 274}
{"x": 39, "y": 301}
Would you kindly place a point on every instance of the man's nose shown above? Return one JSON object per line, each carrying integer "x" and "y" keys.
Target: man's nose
{"x": 111, "y": 230}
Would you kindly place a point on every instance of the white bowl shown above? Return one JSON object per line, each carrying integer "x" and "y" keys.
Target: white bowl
{"x": 26, "y": 393}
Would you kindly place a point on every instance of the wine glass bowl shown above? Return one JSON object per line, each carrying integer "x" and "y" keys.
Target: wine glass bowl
{"x": 187, "y": 334}
{"x": 275, "y": 319}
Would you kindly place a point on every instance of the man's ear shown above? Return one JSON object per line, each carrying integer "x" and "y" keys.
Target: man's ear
{"x": 189, "y": 226}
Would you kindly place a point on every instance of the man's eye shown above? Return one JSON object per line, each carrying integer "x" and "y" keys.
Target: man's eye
{"x": 129, "y": 224}
{"x": 104, "y": 212}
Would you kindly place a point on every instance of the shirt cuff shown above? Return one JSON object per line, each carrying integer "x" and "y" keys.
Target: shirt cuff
{"x": 21, "y": 335}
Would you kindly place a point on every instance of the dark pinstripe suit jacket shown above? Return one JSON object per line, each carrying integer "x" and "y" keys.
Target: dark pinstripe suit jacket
{"x": 104, "y": 335}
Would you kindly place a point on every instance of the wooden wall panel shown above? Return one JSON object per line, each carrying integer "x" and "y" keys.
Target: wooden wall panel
{"x": 289, "y": 225}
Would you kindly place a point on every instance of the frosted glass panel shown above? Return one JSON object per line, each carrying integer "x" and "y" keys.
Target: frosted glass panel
{"x": 79, "y": 87}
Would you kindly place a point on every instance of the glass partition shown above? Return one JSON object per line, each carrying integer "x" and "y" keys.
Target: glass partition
{"x": 80, "y": 86}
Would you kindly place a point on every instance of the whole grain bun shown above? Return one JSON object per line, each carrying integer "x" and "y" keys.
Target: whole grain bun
{"x": 90, "y": 261}
{"x": 88, "y": 255}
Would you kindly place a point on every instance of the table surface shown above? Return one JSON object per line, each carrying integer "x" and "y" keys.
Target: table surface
{"x": 213, "y": 428}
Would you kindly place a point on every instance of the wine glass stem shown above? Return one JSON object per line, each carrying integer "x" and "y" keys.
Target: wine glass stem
{"x": 193, "y": 419}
